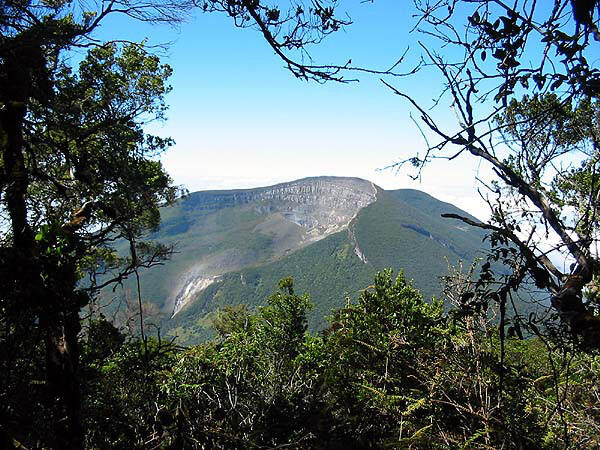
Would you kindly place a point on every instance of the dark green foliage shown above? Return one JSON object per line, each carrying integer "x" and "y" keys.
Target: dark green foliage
{"x": 391, "y": 371}
{"x": 24, "y": 398}
{"x": 377, "y": 349}
{"x": 328, "y": 270}
{"x": 122, "y": 379}
{"x": 251, "y": 388}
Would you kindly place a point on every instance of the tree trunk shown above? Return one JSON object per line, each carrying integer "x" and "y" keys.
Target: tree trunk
{"x": 569, "y": 303}
{"x": 62, "y": 361}
{"x": 58, "y": 314}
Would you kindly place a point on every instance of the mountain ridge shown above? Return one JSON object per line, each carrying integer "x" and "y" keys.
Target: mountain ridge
{"x": 330, "y": 233}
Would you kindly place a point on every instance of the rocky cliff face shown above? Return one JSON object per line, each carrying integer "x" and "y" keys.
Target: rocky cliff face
{"x": 309, "y": 202}
{"x": 323, "y": 204}
{"x": 293, "y": 215}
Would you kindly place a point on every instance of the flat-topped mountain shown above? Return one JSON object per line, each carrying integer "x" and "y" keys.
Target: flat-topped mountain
{"x": 330, "y": 233}
{"x": 239, "y": 228}
{"x": 321, "y": 205}
{"x": 318, "y": 195}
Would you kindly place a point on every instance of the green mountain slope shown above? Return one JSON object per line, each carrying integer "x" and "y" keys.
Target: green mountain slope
{"x": 330, "y": 234}
{"x": 217, "y": 232}
{"x": 328, "y": 270}
{"x": 402, "y": 229}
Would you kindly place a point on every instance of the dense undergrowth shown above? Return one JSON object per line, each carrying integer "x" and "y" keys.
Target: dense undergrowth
{"x": 390, "y": 371}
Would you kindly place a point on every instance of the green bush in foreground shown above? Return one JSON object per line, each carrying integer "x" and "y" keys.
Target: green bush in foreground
{"x": 391, "y": 371}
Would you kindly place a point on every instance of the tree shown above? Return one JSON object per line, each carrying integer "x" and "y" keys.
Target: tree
{"x": 525, "y": 95}
{"x": 293, "y": 31}
{"x": 77, "y": 172}
{"x": 392, "y": 370}
{"x": 89, "y": 181}
{"x": 254, "y": 386}
{"x": 378, "y": 350}
{"x": 123, "y": 405}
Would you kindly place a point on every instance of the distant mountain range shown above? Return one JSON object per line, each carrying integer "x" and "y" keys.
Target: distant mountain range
{"x": 330, "y": 234}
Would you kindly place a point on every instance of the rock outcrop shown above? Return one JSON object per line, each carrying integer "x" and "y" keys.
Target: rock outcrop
{"x": 317, "y": 202}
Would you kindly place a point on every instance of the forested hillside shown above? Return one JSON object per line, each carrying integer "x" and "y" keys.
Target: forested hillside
{"x": 386, "y": 233}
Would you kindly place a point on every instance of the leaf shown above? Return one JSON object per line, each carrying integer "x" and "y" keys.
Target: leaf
{"x": 466, "y": 297}
{"x": 414, "y": 406}
{"x": 499, "y": 54}
{"x": 420, "y": 433}
{"x": 555, "y": 85}
{"x": 539, "y": 79}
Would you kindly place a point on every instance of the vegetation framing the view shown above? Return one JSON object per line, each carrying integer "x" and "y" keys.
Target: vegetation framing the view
{"x": 79, "y": 172}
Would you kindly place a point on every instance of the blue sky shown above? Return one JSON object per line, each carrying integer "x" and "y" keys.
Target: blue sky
{"x": 240, "y": 119}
